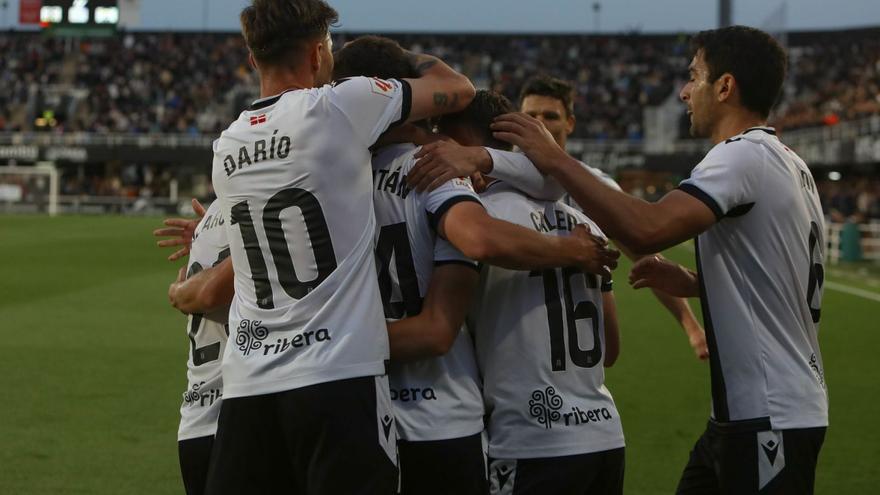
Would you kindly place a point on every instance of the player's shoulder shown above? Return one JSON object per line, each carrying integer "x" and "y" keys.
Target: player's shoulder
{"x": 745, "y": 149}
{"x": 603, "y": 176}
{"x": 396, "y": 156}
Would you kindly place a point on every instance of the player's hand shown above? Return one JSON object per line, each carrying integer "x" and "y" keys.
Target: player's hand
{"x": 532, "y": 137}
{"x": 442, "y": 161}
{"x": 594, "y": 255}
{"x": 181, "y": 230}
{"x": 659, "y": 273}
{"x": 697, "y": 340}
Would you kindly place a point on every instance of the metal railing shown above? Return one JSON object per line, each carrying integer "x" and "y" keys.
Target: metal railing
{"x": 869, "y": 234}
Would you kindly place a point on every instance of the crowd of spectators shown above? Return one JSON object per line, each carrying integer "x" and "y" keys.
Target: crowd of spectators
{"x": 196, "y": 83}
{"x": 854, "y": 200}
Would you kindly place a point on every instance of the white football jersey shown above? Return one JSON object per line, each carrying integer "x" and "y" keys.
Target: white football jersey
{"x": 761, "y": 279}
{"x": 439, "y": 398}
{"x": 515, "y": 169}
{"x": 540, "y": 339}
{"x": 207, "y": 338}
{"x": 294, "y": 179}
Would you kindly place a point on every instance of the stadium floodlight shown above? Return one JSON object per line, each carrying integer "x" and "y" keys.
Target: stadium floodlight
{"x": 29, "y": 189}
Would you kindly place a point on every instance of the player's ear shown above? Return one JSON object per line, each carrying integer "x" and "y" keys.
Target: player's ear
{"x": 315, "y": 56}
{"x": 570, "y": 122}
{"x": 724, "y": 87}
{"x": 252, "y": 61}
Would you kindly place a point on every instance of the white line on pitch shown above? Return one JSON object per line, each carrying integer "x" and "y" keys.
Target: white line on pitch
{"x": 852, "y": 290}
{"x": 873, "y": 296}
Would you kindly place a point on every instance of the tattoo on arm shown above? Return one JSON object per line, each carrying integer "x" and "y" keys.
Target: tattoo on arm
{"x": 442, "y": 100}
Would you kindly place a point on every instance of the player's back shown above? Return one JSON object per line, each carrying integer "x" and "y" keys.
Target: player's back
{"x": 761, "y": 270}
{"x": 540, "y": 346}
{"x": 207, "y": 336}
{"x": 293, "y": 175}
{"x": 437, "y": 398}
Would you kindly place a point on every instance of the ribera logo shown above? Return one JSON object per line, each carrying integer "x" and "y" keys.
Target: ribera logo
{"x": 250, "y": 336}
{"x": 545, "y": 406}
{"x": 201, "y": 397}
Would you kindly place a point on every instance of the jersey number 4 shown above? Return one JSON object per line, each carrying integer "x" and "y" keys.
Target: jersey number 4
{"x": 817, "y": 271}
{"x": 318, "y": 237}
{"x": 394, "y": 243}
{"x": 583, "y": 310}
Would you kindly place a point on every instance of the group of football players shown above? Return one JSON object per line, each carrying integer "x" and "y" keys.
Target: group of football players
{"x": 385, "y": 298}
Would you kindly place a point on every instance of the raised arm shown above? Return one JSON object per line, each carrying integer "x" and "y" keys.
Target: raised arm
{"x": 432, "y": 332}
{"x": 642, "y": 226}
{"x": 441, "y": 161}
{"x": 209, "y": 290}
{"x": 439, "y": 90}
{"x": 469, "y": 228}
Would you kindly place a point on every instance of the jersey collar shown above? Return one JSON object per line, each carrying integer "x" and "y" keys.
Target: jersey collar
{"x": 269, "y": 100}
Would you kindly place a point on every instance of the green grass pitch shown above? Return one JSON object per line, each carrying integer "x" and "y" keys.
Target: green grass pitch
{"x": 92, "y": 365}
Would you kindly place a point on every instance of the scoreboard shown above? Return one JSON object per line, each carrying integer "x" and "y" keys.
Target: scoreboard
{"x": 79, "y": 16}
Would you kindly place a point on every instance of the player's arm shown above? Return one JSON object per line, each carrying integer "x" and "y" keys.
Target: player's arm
{"x": 478, "y": 236}
{"x": 642, "y": 226}
{"x": 432, "y": 332}
{"x": 442, "y": 161}
{"x": 680, "y": 310}
{"x": 209, "y": 290}
{"x": 439, "y": 89}
{"x": 612, "y": 330}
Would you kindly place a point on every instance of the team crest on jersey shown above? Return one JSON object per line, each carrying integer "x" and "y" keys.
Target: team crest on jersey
{"x": 381, "y": 86}
{"x": 258, "y": 119}
{"x": 250, "y": 336}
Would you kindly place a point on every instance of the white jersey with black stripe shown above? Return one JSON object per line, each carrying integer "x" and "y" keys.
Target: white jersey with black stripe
{"x": 438, "y": 398}
{"x": 540, "y": 339}
{"x": 207, "y": 337}
{"x": 761, "y": 276}
{"x": 294, "y": 180}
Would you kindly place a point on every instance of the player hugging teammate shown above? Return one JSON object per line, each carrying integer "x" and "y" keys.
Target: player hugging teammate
{"x": 389, "y": 294}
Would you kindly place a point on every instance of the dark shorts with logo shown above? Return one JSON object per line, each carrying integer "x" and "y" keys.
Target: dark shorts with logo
{"x": 443, "y": 467}
{"x": 597, "y": 473}
{"x": 330, "y": 438}
{"x": 195, "y": 456}
{"x": 747, "y": 457}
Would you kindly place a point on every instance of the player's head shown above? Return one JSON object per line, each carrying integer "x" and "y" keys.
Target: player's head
{"x": 373, "y": 56}
{"x": 471, "y": 126}
{"x": 551, "y": 101}
{"x": 290, "y": 35}
{"x": 733, "y": 69}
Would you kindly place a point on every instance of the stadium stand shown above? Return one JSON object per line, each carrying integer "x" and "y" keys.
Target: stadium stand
{"x": 172, "y": 83}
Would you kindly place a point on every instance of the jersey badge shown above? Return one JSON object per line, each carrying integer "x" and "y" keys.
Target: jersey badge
{"x": 381, "y": 87}
{"x": 258, "y": 119}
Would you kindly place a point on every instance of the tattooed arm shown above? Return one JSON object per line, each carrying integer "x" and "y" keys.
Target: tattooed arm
{"x": 439, "y": 89}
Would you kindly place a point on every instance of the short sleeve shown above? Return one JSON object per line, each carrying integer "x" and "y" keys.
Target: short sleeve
{"x": 372, "y": 105}
{"x": 517, "y": 170}
{"x": 728, "y": 178}
{"x": 440, "y": 200}
{"x": 445, "y": 253}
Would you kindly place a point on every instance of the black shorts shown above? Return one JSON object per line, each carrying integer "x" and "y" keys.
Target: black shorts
{"x": 747, "y": 457}
{"x": 442, "y": 467}
{"x": 330, "y": 438}
{"x": 597, "y": 473}
{"x": 195, "y": 456}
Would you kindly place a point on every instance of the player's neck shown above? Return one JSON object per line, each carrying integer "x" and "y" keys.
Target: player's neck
{"x": 277, "y": 81}
{"x": 735, "y": 123}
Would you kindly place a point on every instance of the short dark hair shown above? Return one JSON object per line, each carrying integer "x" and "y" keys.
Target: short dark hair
{"x": 373, "y": 56}
{"x": 751, "y": 56}
{"x": 479, "y": 116}
{"x": 544, "y": 85}
{"x": 276, "y": 29}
